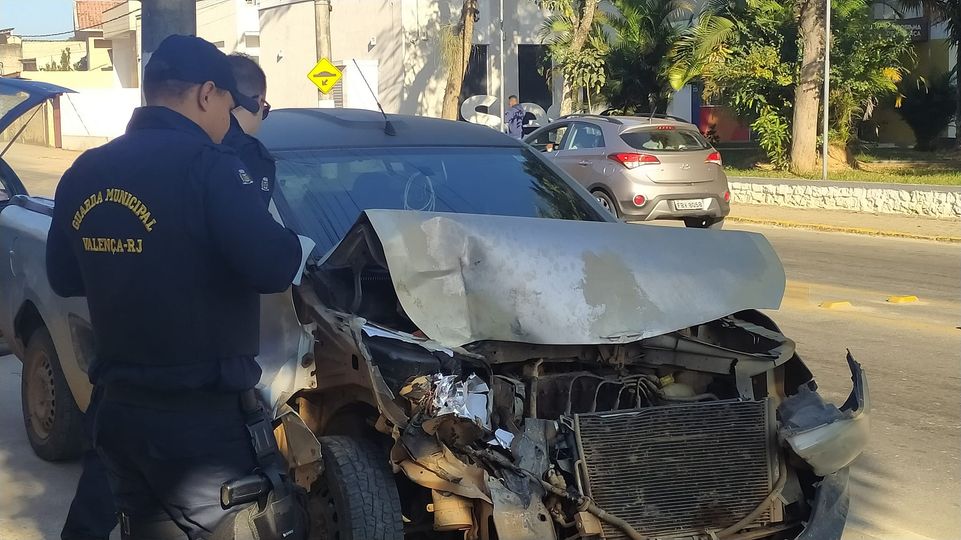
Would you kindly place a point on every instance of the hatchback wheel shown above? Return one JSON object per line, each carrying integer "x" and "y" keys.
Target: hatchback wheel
{"x": 605, "y": 201}
{"x": 53, "y": 421}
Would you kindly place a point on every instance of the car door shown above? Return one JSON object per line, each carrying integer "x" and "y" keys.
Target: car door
{"x": 582, "y": 154}
{"x": 549, "y": 140}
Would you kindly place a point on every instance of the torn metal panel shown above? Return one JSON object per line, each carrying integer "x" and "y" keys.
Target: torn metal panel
{"x": 464, "y": 278}
{"x": 430, "y": 464}
{"x": 826, "y": 437}
{"x": 515, "y": 520}
{"x": 283, "y": 341}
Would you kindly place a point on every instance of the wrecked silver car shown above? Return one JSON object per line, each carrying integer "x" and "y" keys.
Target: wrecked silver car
{"x": 478, "y": 350}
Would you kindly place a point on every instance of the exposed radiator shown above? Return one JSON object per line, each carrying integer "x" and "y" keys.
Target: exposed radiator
{"x": 674, "y": 471}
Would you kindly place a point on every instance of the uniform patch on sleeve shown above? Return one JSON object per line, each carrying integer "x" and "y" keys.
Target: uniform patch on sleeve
{"x": 265, "y": 184}
{"x": 244, "y": 177}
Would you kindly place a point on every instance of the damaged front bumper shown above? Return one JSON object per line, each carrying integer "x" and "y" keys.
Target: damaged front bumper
{"x": 824, "y": 436}
{"x": 830, "y": 510}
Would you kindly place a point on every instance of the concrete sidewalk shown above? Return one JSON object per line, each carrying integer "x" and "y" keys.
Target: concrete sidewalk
{"x": 925, "y": 228}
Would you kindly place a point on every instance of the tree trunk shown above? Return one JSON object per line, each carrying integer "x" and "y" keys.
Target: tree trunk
{"x": 581, "y": 34}
{"x": 807, "y": 94}
{"x": 458, "y": 68}
{"x": 957, "y": 111}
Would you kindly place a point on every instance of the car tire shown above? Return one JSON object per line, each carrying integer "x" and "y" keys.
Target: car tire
{"x": 606, "y": 201}
{"x": 703, "y": 222}
{"x": 51, "y": 417}
{"x": 356, "y": 497}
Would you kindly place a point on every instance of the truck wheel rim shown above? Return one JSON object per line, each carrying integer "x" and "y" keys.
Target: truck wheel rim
{"x": 41, "y": 396}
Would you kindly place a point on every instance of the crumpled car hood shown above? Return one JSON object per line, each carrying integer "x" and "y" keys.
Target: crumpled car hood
{"x": 463, "y": 278}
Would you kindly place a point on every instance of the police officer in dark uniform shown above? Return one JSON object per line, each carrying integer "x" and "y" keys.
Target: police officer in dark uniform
{"x": 166, "y": 234}
{"x": 251, "y": 81}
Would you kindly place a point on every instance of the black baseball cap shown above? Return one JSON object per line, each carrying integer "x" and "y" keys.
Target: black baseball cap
{"x": 194, "y": 60}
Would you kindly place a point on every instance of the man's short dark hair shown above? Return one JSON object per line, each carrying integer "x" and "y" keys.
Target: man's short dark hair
{"x": 158, "y": 86}
{"x": 512, "y": 96}
{"x": 251, "y": 80}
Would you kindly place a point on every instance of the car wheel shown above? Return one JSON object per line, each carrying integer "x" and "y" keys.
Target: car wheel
{"x": 51, "y": 417}
{"x": 356, "y": 497}
{"x": 704, "y": 222}
{"x": 605, "y": 201}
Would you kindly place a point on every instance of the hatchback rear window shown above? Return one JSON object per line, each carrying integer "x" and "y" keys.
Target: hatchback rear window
{"x": 665, "y": 140}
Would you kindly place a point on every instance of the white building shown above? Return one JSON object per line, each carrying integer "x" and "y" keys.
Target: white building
{"x": 232, "y": 25}
{"x": 400, "y": 42}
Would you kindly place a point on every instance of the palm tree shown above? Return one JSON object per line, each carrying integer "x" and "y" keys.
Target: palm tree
{"x": 949, "y": 13}
{"x": 574, "y": 35}
{"x": 660, "y": 46}
{"x": 457, "y": 42}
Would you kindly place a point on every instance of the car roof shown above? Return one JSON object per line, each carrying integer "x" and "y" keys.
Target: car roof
{"x": 622, "y": 122}
{"x": 292, "y": 129}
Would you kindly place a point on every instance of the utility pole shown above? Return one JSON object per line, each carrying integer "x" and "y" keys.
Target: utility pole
{"x": 322, "y": 10}
{"x": 161, "y": 18}
{"x": 502, "y": 75}
{"x": 826, "y": 98}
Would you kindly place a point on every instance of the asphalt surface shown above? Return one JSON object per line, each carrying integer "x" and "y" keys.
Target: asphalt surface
{"x": 905, "y": 487}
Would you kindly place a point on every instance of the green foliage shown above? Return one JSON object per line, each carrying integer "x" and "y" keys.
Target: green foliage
{"x": 868, "y": 60}
{"x": 774, "y": 137}
{"x": 757, "y": 76}
{"x": 63, "y": 65}
{"x": 583, "y": 69}
{"x": 928, "y": 107}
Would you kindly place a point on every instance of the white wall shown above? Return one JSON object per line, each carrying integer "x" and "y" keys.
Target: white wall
{"x": 406, "y": 46}
{"x": 287, "y": 53}
{"x": 92, "y": 117}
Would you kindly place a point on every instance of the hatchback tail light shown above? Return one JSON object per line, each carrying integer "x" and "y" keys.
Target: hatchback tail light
{"x": 640, "y": 200}
{"x": 715, "y": 158}
{"x": 632, "y": 160}
{"x": 727, "y": 196}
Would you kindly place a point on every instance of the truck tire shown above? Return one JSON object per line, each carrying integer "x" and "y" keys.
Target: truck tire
{"x": 356, "y": 497}
{"x": 51, "y": 417}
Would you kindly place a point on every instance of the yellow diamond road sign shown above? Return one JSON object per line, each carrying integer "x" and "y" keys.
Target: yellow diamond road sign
{"x": 325, "y": 75}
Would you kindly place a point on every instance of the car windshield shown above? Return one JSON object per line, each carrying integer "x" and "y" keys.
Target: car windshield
{"x": 665, "y": 139}
{"x": 321, "y": 193}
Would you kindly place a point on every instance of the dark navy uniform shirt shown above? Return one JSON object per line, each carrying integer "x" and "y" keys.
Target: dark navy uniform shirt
{"x": 167, "y": 236}
{"x": 260, "y": 164}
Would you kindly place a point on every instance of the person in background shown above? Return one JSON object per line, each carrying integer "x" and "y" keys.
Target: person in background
{"x": 251, "y": 81}
{"x": 514, "y": 118}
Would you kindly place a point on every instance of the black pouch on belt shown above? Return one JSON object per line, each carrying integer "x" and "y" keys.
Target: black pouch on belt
{"x": 276, "y": 507}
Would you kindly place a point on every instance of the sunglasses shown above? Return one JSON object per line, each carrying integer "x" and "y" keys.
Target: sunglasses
{"x": 266, "y": 109}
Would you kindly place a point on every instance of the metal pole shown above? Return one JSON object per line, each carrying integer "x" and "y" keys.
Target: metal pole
{"x": 322, "y": 21}
{"x": 825, "y": 99}
{"x": 161, "y": 18}
{"x": 503, "y": 77}
{"x": 322, "y": 29}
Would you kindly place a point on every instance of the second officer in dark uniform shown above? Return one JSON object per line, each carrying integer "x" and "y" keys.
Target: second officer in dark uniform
{"x": 244, "y": 124}
{"x": 166, "y": 234}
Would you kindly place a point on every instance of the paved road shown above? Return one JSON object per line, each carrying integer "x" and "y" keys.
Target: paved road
{"x": 906, "y": 487}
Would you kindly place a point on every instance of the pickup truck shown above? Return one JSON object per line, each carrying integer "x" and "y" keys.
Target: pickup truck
{"x": 480, "y": 350}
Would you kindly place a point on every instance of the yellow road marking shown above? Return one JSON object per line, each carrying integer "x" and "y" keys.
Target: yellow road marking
{"x": 835, "y": 304}
{"x": 902, "y": 299}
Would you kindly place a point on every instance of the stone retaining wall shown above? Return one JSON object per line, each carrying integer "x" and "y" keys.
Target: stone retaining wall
{"x": 888, "y": 199}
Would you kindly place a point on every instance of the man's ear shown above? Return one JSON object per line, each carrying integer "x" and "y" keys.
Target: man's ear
{"x": 205, "y": 95}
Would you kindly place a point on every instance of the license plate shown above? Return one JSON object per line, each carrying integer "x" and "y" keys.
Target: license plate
{"x": 691, "y": 204}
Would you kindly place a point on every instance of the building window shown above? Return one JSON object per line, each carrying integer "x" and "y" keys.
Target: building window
{"x": 533, "y": 85}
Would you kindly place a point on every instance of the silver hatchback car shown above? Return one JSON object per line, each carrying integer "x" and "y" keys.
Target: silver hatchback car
{"x": 641, "y": 168}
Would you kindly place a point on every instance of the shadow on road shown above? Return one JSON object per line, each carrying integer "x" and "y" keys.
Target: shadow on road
{"x": 34, "y": 494}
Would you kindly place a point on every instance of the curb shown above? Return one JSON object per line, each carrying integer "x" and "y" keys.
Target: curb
{"x": 843, "y": 229}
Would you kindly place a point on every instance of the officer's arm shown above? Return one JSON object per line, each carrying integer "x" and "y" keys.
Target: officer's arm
{"x": 255, "y": 246}
{"x": 63, "y": 269}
